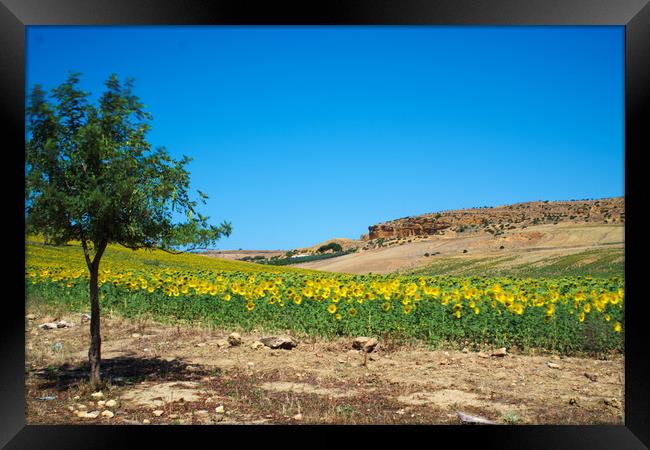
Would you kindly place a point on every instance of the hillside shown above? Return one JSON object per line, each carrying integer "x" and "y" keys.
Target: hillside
{"x": 537, "y": 247}
{"x": 496, "y": 220}
{"x": 39, "y": 255}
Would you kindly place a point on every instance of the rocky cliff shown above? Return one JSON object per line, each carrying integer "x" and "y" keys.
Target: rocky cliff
{"x": 496, "y": 219}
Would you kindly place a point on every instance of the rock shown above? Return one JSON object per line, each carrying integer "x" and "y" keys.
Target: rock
{"x": 91, "y": 415}
{"x": 613, "y": 402}
{"x": 48, "y": 326}
{"x": 191, "y": 369}
{"x": 76, "y": 397}
{"x": 82, "y": 407}
{"x": 257, "y": 344}
{"x": 158, "y": 402}
{"x": 146, "y": 421}
{"x": 466, "y": 418}
{"x": 359, "y": 342}
{"x": 201, "y": 344}
{"x": 158, "y": 412}
{"x": 297, "y": 417}
{"x": 85, "y": 318}
{"x": 286, "y": 343}
{"x": 222, "y": 343}
{"x": 130, "y": 422}
{"x": 71, "y": 408}
{"x": 219, "y": 409}
{"x": 202, "y": 412}
{"x": 552, "y": 365}
{"x": 64, "y": 324}
{"x": 111, "y": 403}
{"x": 234, "y": 339}
{"x": 98, "y": 394}
{"x": 107, "y": 414}
{"x": 465, "y": 350}
{"x": 136, "y": 335}
{"x": 173, "y": 416}
{"x": 500, "y": 352}
{"x": 250, "y": 365}
{"x": 592, "y": 377}
{"x": 101, "y": 403}
{"x": 30, "y": 316}
{"x": 483, "y": 355}
{"x": 370, "y": 345}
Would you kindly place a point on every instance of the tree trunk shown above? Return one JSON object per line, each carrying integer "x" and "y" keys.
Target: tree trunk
{"x": 46, "y": 239}
{"x": 94, "y": 353}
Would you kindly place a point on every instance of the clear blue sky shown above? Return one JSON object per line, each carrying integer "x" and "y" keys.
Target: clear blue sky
{"x": 303, "y": 134}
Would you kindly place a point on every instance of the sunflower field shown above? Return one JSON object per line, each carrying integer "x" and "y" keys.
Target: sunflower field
{"x": 568, "y": 314}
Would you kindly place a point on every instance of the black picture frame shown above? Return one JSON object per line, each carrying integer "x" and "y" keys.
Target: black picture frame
{"x": 634, "y": 15}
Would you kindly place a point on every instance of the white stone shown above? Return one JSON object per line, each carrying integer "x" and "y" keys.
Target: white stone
{"x": 234, "y": 339}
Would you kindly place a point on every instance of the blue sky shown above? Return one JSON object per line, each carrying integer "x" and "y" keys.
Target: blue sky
{"x": 301, "y": 134}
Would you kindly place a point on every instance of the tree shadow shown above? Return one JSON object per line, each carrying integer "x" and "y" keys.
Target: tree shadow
{"x": 122, "y": 371}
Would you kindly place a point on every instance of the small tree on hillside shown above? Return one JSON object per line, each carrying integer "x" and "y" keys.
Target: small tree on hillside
{"x": 91, "y": 176}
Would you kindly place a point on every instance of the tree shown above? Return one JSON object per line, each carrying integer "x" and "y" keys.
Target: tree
{"x": 91, "y": 176}
{"x": 331, "y": 246}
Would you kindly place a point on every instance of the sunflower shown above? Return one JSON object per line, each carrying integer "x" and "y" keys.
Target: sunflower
{"x": 352, "y": 312}
{"x": 250, "y": 306}
{"x": 331, "y": 308}
{"x": 407, "y": 309}
{"x": 385, "y": 306}
{"x": 618, "y": 327}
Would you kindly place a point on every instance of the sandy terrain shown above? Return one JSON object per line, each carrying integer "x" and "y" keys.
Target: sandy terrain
{"x": 526, "y": 245}
{"x": 165, "y": 374}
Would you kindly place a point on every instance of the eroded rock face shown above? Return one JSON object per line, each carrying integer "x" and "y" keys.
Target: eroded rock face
{"x": 416, "y": 226}
{"x": 519, "y": 215}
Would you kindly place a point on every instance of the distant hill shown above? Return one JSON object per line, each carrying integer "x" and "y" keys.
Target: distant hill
{"x": 576, "y": 236}
{"x": 497, "y": 219}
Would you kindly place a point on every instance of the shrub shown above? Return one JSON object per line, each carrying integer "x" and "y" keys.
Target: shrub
{"x": 331, "y": 246}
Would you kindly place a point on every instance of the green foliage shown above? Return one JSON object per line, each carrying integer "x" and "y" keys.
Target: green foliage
{"x": 92, "y": 176}
{"x": 607, "y": 262}
{"x": 331, "y": 246}
{"x": 430, "y": 321}
{"x": 304, "y": 259}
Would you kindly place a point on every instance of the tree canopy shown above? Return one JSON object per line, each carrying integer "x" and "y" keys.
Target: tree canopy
{"x": 93, "y": 176}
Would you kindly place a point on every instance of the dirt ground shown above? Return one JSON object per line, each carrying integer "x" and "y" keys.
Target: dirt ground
{"x": 523, "y": 246}
{"x": 164, "y": 374}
